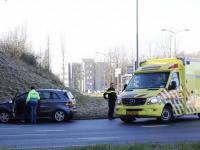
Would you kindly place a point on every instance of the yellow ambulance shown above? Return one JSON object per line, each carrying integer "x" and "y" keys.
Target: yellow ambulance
{"x": 162, "y": 89}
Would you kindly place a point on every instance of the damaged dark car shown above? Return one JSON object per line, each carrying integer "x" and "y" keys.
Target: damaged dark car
{"x": 59, "y": 105}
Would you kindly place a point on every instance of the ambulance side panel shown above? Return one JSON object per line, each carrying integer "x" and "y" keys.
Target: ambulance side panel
{"x": 192, "y": 79}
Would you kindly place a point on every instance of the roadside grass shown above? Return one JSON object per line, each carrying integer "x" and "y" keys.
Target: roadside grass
{"x": 90, "y": 106}
{"x": 136, "y": 146}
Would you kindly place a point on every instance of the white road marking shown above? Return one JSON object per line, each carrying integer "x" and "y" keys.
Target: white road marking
{"x": 7, "y": 128}
{"x": 50, "y": 130}
{"x": 154, "y": 126}
{"x": 22, "y": 134}
{"x": 60, "y": 147}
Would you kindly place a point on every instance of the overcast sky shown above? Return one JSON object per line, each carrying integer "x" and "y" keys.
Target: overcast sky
{"x": 92, "y": 26}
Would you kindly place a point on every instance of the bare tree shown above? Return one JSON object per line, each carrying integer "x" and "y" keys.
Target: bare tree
{"x": 63, "y": 55}
{"x": 47, "y": 55}
{"x": 198, "y": 54}
{"x": 164, "y": 47}
{"x": 131, "y": 57}
{"x": 149, "y": 51}
{"x": 77, "y": 76}
{"x": 15, "y": 42}
{"x": 120, "y": 60}
{"x": 193, "y": 54}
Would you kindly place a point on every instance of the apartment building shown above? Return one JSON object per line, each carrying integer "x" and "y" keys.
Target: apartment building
{"x": 88, "y": 75}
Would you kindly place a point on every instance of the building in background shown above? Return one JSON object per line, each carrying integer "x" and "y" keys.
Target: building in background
{"x": 87, "y": 75}
{"x": 101, "y": 76}
{"x": 88, "y": 67}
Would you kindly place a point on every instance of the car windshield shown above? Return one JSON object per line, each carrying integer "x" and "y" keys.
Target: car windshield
{"x": 148, "y": 80}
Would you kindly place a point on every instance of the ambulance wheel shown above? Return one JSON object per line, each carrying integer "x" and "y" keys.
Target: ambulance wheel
{"x": 199, "y": 115}
{"x": 127, "y": 120}
{"x": 166, "y": 115}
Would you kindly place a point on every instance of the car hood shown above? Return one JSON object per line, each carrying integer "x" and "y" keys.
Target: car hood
{"x": 6, "y": 101}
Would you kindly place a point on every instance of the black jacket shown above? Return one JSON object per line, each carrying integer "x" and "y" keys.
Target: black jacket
{"x": 112, "y": 96}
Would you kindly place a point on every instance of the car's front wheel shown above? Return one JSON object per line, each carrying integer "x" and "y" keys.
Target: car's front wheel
{"x": 4, "y": 116}
{"x": 59, "y": 116}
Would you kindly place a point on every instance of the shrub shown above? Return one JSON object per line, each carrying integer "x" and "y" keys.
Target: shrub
{"x": 29, "y": 58}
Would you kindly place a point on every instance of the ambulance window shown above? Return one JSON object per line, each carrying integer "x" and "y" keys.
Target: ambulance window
{"x": 175, "y": 82}
{"x": 135, "y": 81}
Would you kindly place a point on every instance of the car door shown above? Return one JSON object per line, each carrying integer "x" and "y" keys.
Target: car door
{"x": 18, "y": 105}
{"x": 44, "y": 104}
{"x": 14, "y": 106}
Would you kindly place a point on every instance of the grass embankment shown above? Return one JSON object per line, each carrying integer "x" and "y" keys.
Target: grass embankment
{"x": 17, "y": 76}
{"x": 136, "y": 146}
{"x": 91, "y": 106}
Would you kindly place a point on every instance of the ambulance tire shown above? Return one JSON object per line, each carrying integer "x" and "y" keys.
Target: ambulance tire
{"x": 199, "y": 115}
{"x": 127, "y": 120}
{"x": 166, "y": 115}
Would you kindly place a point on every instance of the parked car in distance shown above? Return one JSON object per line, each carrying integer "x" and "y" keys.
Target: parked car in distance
{"x": 59, "y": 105}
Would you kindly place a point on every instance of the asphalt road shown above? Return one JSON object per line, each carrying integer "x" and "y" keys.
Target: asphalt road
{"x": 100, "y": 131}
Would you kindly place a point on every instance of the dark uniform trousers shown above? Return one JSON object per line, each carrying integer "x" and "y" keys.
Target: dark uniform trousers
{"x": 111, "y": 104}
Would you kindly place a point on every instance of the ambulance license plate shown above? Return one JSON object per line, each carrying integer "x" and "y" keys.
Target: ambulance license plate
{"x": 132, "y": 113}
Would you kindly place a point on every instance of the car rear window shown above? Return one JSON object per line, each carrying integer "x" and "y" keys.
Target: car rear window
{"x": 65, "y": 94}
{"x": 69, "y": 95}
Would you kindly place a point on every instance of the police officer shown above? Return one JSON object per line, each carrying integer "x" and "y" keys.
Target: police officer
{"x": 112, "y": 96}
{"x": 32, "y": 99}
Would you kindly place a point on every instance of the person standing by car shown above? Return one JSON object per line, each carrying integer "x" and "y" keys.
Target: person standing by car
{"x": 112, "y": 96}
{"x": 32, "y": 99}
{"x": 25, "y": 110}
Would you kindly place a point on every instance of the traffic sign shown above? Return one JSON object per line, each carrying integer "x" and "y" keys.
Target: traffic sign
{"x": 118, "y": 71}
{"x": 129, "y": 69}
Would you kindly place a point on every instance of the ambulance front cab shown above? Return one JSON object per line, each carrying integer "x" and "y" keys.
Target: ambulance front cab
{"x": 154, "y": 91}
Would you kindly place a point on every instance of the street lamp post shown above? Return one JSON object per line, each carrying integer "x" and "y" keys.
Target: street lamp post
{"x": 137, "y": 59}
{"x": 174, "y": 38}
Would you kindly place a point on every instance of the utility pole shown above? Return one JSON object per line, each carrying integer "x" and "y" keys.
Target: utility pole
{"x": 137, "y": 60}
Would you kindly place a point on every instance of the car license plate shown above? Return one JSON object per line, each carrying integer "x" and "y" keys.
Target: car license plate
{"x": 132, "y": 113}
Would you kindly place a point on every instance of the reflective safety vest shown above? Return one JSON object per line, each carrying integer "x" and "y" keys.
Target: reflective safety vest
{"x": 110, "y": 91}
{"x": 111, "y": 94}
{"x": 33, "y": 96}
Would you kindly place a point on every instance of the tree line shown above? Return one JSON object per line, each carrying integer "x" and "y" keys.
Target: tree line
{"x": 15, "y": 44}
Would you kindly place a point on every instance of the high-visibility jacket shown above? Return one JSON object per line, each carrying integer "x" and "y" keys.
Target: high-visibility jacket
{"x": 112, "y": 96}
{"x": 33, "y": 95}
